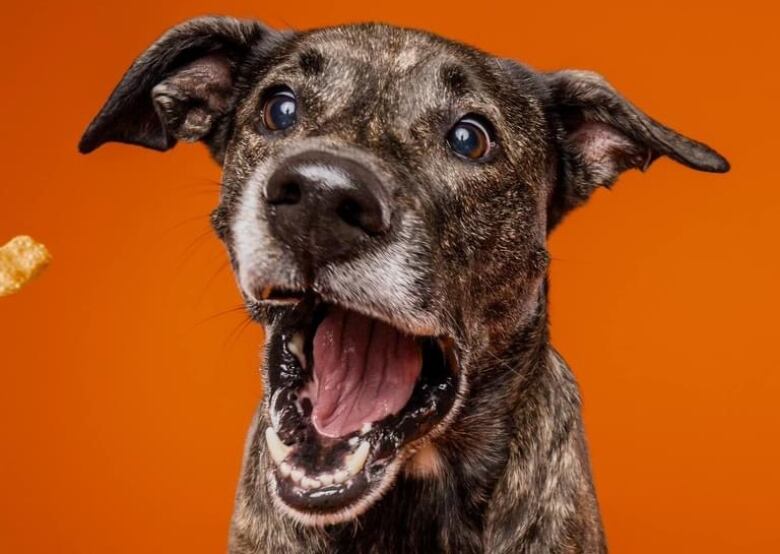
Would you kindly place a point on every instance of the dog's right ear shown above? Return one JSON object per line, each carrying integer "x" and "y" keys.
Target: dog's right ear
{"x": 179, "y": 88}
{"x": 602, "y": 134}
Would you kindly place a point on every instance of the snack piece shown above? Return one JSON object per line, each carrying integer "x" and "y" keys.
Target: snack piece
{"x": 20, "y": 261}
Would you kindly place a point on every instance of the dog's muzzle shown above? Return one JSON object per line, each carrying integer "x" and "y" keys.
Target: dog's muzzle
{"x": 352, "y": 390}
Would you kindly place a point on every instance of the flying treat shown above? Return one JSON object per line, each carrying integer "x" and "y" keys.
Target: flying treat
{"x": 21, "y": 260}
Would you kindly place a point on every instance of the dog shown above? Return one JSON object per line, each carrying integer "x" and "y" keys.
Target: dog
{"x": 386, "y": 200}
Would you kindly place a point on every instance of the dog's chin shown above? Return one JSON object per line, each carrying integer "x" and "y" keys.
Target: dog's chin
{"x": 350, "y": 398}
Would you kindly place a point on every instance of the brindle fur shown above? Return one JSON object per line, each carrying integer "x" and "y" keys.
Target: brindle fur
{"x": 514, "y": 473}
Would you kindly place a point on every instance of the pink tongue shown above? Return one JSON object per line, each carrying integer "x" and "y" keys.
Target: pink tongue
{"x": 364, "y": 370}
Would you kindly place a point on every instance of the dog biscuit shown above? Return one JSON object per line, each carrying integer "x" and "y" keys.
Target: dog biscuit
{"x": 21, "y": 260}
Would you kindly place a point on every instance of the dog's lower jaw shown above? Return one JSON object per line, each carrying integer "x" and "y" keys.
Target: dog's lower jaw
{"x": 512, "y": 475}
{"x": 257, "y": 526}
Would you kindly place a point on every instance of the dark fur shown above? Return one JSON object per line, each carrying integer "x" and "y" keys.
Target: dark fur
{"x": 514, "y": 466}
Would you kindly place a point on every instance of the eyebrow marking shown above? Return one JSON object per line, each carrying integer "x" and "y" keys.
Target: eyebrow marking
{"x": 311, "y": 62}
{"x": 455, "y": 79}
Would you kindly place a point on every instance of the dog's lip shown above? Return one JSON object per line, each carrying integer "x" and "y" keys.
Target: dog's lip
{"x": 280, "y": 296}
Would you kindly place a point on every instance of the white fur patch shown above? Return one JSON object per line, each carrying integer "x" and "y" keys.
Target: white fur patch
{"x": 325, "y": 175}
{"x": 385, "y": 281}
{"x": 249, "y": 242}
{"x": 260, "y": 259}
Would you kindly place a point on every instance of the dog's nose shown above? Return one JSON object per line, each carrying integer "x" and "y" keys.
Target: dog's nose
{"x": 326, "y": 207}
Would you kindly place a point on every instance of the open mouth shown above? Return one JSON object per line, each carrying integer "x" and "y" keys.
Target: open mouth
{"x": 350, "y": 398}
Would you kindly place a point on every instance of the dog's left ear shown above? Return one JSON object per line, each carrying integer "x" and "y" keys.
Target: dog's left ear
{"x": 601, "y": 135}
{"x": 179, "y": 88}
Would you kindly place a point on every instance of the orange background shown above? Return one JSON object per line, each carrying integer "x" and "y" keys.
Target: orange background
{"x": 128, "y": 376}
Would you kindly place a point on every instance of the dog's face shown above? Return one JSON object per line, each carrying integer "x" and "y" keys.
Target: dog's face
{"x": 386, "y": 200}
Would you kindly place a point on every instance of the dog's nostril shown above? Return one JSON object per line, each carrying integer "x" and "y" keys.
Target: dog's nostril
{"x": 361, "y": 213}
{"x": 350, "y": 211}
{"x": 287, "y": 192}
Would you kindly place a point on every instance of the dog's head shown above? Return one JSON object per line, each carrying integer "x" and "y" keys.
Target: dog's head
{"x": 386, "y": 200}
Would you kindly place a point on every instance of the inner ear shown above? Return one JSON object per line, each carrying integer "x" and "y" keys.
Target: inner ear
{"x": 189, "y": 101}
{"x": 179, "y": 88}
{"x": 605, "y": 150}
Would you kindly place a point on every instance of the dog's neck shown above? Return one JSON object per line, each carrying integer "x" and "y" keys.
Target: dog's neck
{"x": 515, "y": 353}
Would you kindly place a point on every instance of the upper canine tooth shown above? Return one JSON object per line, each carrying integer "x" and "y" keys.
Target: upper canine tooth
{"x": 357, "y": 460}
{"x": 296, "y": 475}
{"x": 295, "y": 346}
{"x": 276, "y": 447}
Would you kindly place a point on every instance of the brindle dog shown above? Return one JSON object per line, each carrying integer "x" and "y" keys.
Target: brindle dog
{"x": 386, "y": 200}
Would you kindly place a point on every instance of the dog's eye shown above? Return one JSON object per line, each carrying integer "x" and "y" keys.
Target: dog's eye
{"x": 470, "y": 138}
{"x": 280, "y": 110}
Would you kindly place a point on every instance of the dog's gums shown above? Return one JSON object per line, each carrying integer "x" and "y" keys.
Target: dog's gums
{"x": 350, "y": 398}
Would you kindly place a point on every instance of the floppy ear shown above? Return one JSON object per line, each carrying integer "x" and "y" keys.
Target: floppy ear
{"x": 601, "y": 135}
{"x": 178, "y": 89}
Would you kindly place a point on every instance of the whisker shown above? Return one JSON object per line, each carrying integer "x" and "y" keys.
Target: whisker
{"x": 210, "y": 281}
{"x": 234, "y": 335}
{"x": 193, "y": 247}
{"x": 240, "y": 308}
{"x": 204, "y": 183}
{"x": 182, "y": 223}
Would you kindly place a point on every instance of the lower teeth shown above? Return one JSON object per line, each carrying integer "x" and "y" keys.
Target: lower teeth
{"x": 279, "y": 452}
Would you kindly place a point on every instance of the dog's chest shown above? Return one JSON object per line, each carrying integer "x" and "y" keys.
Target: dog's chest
{"x": 415, "y": 517}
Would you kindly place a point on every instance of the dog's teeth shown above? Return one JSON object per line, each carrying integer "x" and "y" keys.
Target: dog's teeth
{"x": 365, "y": 428}
{"x": 285, "y": 469}
{"x": 309, "y": 483}
{"x": 326, "y": 479}
{"x": 296, "y": 475}
{"x": 276, "y": 447}
{"x": 295, "y": 346}
{"x": 340, "y": 476}
{"x": 356, "y": 461}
